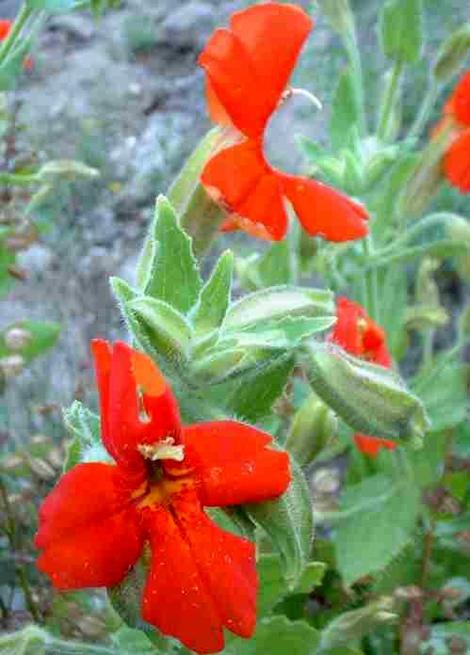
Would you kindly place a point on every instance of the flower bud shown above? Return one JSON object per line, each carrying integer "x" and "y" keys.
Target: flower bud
{"x": 452, "y": 54}
{"x": 12, "y": 365}
{"x": 353, "y": 625}
{"x": 17, "y": 338}
{"x": 369, "y": 398}
{"x": 313, "y": 425}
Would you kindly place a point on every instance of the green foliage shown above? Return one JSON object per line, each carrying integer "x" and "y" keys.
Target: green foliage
{"x": 402, "y": 30}
{"x": 277, "y": 635}
{"x": 345, "y": 111}
{"x": 172, "y": 272}
{"x": 288, "y": 522}
{"x": 376, "y": 520}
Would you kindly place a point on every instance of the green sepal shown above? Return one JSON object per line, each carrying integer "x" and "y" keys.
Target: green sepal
{"x": 369, "y": 398}
{"x": 158, "y": 326}
{"x": 288, "y": 521}
{"x": 452, "y": 54}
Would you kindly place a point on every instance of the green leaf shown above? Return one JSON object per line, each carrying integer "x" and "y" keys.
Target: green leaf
{"x": 402, "y": 30}
{"x": 38, "y": 336}
{"x": 276, "y": 266}
{"x": 345, "y": 111}
{"x": 168, "y": 269}
{"x": 369, "y": 398}
{"x": 276, "y": 635}
{"x": 443, "y": 390}
{"x": 272, "y": 586}
{"x": 214, "y": 298}
{"x": 377, "y": 518}
{"x": 252, "y": 395}
{"x": 270, "y": 305}
{"x": 289, "y": 523}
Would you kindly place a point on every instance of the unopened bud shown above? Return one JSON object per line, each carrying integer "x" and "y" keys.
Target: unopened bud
{"x": 17, "y": 338}
{"x": 452, "y": 54}
{"x": 313, "y": 425}
{"x": 369, "y": 398}
{"x": 12, "y": 365}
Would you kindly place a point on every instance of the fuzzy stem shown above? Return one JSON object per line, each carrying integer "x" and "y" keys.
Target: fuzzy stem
{"x": 20, "y": 21}
{"x": 389, "y": 101}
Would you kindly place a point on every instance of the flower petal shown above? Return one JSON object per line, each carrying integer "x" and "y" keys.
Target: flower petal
{"x": 241, "y": 180}
{"x": 5, "y": 27}
{"x": 358, "y": 334}
{"x": 226, "y": 564}
{"x": 234, "y": 463}
{"x": 249, "y": 64}
{"x": 88, "y": 530}
{"x": 323, "y": 211}
{"x": 457, "y": 162}
{"x": 137, "y": 406}
{"x": 459, "y": 102}
{"x": 175, "y": 599}
{"x": 371, "y": 446}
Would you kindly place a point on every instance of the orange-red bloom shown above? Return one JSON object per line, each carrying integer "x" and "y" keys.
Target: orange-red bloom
{"x": 5, "y": 27}
{"x": 248, "y": 67}
{"x": 456, "y": 163}
{"x": 359, "y": 335}
{"x": 99, "y": 518}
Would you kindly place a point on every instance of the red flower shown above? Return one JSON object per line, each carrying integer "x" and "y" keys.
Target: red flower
{"x": 359, "y": 335}
{"x": 248, "y": 67}
{"x": 5, "y": 27}
{"x": 101, "y": 517}
{"x": 456, "y": 163}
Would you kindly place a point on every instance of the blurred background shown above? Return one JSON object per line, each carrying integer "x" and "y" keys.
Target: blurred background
{"x": 123, "y": 94}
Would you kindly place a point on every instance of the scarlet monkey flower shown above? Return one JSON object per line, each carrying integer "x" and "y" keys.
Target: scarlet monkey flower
{"x": 101, "y": 517}
{"x": 456, "y": 162}
{"x": 359, "y": 335}
{"x": 248, "y": 67}
{"x": 5, "y": 27}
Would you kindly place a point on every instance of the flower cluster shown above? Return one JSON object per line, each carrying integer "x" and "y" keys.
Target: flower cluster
{"x": 101, "y": 517}
{"x": 248, "y": 67}
{"x": 359, "y": 335}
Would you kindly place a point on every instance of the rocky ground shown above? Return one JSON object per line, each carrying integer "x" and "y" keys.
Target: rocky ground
{"x": 124, "y": 94}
